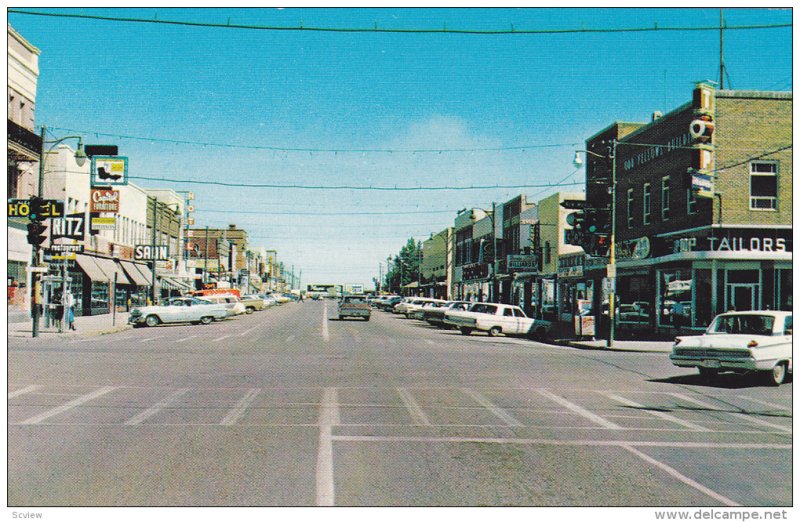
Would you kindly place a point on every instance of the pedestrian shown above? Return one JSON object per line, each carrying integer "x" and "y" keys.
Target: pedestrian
{"x": 71, "y": 311}
{"x": 59, "y": 310}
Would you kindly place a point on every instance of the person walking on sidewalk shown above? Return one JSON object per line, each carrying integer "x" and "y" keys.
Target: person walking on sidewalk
{"x": 70, "y": 303}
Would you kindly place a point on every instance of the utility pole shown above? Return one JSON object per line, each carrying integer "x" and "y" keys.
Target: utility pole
{"x": 35, "y": 248}
{"x": 153, "y": 251}
{"x": 721, "y": 54}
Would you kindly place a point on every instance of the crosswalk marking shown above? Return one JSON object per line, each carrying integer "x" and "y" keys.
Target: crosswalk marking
{"x": 740, "y": 416}
{"x": 580, "y": 411}
{"x": 238, "y": 411}
{"x": 36, "y": 419}
{"x": 149, "y": 412}
{"x": 414, "y": 408}
{"x": 659, "y": 414}
{"x": 23, "y": 391}
{"x": 497, "y": 411}
{"x": 765, "y": 403}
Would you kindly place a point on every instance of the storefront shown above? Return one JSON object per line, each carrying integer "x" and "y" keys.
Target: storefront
{"x": 680, "y": 281}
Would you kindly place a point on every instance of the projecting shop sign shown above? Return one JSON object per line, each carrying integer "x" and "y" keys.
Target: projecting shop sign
{"x": 109, "y": 171}
{"x": 104, "y": 200}
{"x": 150, "y": 252}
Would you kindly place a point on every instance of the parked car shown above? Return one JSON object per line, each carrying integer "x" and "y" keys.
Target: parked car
{"x": 389, "y": 304}
{"x": 281, "y": 298}
{"x": 178, "y": 310}
{"x": 252, "y": 303}
{"x": 268, "y": 300}
{"x": 417, "y": 311}
{"x": 754, "y": 341}
{"x": 231, "y": 302}
{"x": 353, "y": 306}
{"x": 496, "y": 319}
{"x": 413, "y": 305}
{"x": 435, "y": 315}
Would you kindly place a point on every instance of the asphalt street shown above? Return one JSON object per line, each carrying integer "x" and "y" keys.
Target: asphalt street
{"x": 290, "y": 407}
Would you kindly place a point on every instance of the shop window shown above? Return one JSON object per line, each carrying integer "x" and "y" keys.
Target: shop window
{"x": 763, "y": 185}
{"x": 100, "y": 298}
{"x": 634, "y": 306}
{"x": 742, "y": 290}
{"x": 675, "y": 301}
{"x": 703, "y": 313}
{"x": 646, "y": 204}
{"x": 783, "y": 286}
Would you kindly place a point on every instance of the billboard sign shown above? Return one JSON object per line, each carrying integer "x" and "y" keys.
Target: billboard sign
{"x": 72, "y": 226}
{"x": 104, "y": 200}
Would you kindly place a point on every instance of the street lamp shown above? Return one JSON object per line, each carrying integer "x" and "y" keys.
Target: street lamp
{"x": 80, "y": 160}
{"x": 612, "y": 265}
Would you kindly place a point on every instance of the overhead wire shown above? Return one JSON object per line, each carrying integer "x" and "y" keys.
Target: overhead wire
{"x": 512, "y": 30}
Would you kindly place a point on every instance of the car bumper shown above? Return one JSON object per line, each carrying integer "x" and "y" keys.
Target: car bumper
{"x": 722, "y": 363}
{"x": 135, "y": 319}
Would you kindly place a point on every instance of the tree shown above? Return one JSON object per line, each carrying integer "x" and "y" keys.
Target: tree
{"x": 405, "y": 266}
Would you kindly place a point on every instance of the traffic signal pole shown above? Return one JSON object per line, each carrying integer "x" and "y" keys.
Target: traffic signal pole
{"x": 35, "y": 248}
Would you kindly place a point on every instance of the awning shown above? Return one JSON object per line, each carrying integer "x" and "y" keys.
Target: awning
{"x": 110, "y": 268}
{"x": 133, "y": 274}
{"x": 412, "y": 284}
{"x": 145, "y": 271}
{"x": 90, "y": 268}
{"x": 175, "y": 284}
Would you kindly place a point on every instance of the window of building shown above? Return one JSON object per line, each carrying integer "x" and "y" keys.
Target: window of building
{"x": 547, "y": 252}
{"x": 691, "y": 202}
{"x": 763, "y": 185}
{"x": 630, "y": 208}
{"x": 646, "y": 204}
{"x": 665, "y": 198}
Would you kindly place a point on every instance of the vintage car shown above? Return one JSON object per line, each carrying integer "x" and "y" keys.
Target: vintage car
{"x": 231, "y": 302}
{"x": 754, "y": 341}
{"x": 354, "y": 306}
{"x": 496, "y": 319}
{"x": 178, "y": 310}
{"x": 435, "y": 315}
{"x": 252, "y": 303}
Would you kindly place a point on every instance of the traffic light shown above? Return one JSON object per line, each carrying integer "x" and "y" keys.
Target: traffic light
{"x": 577, "y": 221}
{"x": 36, "y": 209}
{"x": 600, "y": 245}
{"x": 36, "y": 230}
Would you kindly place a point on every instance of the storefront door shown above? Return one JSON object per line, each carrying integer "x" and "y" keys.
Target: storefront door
{"x": 742, "y": 296}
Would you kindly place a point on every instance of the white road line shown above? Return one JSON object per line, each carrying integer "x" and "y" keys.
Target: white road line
{"x": 149, "y": 412}
{"x": 238, "y": 411}
{"x": 290, "y": 338}
{"x": 580, "y": 411}
{"x": 414, "y": 408}
{"x": 565, "y": 442}
{"x": 36, "y": 419}
{"x": 328, "y": 417}
{"x": 683, "y": 478}
{"x": 429, "y": 341}
{"x": 659, "y": 414}
{"x": 325, "y": 335}
{"x": 221, "y": 338}
{"x": 248, "y": 331}
{"x": 740, "y": 416}
{"x": 185, "y": 339}
{"x": 151, "y": 339}
{"x": 765, "y": 403}
{"x": 23, "y": 391}
{"x": 496, "y": 410}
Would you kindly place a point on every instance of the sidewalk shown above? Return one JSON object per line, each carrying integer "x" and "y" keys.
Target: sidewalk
{"x": 87, "y": 326}
{"x": 619, "y": 346}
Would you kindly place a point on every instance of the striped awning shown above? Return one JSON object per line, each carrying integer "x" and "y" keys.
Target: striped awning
{"x": 111, "y": 268}
{"x": 91, "y": 268}
{"x": 134, "y": 275}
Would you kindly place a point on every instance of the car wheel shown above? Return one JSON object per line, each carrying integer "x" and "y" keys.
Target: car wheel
{"x": 366, "y": 318}
{"x": 207, "y": 319}
{"x": 494, "y": 331}
{"x": 249, "y": 310}
{"x": 777, "y": 375}
{"x": 465, "y": 331}
{"x": 708, "y": 373}
{"x": 341, "y": 317}
{"x": 152, "y": 320}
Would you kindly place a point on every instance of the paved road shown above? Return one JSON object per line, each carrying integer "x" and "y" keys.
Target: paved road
{"x": 288, "y": 407}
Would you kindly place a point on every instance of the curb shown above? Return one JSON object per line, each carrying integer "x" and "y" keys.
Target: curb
{"x": 580, "y": 346}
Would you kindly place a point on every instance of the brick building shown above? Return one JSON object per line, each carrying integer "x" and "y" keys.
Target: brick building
{"x": 703, "y": 211}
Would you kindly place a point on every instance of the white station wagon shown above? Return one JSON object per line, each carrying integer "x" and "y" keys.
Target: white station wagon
{"x": 496, "y": 319}
{"x": 754, "y": 341}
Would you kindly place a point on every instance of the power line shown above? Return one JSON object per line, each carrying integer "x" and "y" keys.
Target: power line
{"x": 350, "y": 187}
{"x": 311, "y": 149}
{"x": 512, "y": 30}
{"x": 385, "y": 213}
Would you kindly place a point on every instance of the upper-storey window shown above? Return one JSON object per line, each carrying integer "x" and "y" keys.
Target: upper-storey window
{"x": 763, "y": 185}
{"x": 646, "y": 204}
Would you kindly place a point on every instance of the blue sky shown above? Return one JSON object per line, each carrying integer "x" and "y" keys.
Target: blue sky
{"x": 277, "y": 90}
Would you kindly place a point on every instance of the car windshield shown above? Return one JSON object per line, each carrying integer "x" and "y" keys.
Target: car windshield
{"x": 743, "y": 324}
